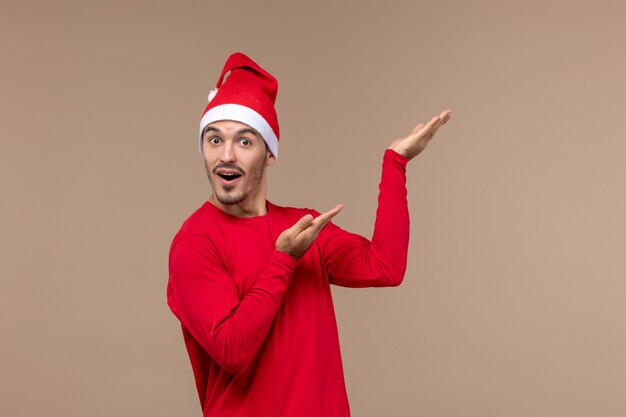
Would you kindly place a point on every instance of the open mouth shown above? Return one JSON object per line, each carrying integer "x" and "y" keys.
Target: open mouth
{"x": 228, "y": 177}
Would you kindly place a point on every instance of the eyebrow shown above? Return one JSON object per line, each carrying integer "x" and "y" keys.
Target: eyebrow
{"x": 239, "y": 132}
{"x": 246, "y": 130}
{"x": 210, "y": 129}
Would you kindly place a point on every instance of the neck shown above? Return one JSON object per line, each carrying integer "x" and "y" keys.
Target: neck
{"x": 250, "y": 207}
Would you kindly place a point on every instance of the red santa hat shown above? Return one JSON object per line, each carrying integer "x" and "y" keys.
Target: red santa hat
{"x": 247, "y": 95}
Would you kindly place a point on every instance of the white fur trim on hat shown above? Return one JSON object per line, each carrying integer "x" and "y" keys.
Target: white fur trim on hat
{"x": 241, "y": 114}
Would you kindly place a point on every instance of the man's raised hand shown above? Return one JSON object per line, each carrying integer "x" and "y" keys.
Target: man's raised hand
{"x": 296, "y": 240}
{"x": 419, "y": 137}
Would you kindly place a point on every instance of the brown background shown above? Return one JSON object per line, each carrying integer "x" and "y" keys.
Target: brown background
{"x": 513, "y": 303}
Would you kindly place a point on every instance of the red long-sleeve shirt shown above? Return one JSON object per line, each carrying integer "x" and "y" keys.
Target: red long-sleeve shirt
{"x": 259, "y": 326}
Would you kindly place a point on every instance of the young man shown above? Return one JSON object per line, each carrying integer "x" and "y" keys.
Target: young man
{"x": 250, "y": 280}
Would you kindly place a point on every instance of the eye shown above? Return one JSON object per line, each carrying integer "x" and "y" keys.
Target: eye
{"x": 214, "y": 140}
{"x": 245, "y": 141}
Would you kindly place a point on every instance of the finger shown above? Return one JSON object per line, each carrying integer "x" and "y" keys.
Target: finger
{"x": 303, "y": 223}
{"x": 417, "y": 128}
{"x": 321, "y": 220}
{"x": 425, "y": 131}
{"x": 445, "y": 116}
{"x": 436, "y": 123}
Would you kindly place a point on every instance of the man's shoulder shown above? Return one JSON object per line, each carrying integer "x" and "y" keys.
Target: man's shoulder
{"x": 198, "y": 238}
{"x": 198, "y": 223}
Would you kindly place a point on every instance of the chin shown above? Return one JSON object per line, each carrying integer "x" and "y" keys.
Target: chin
{"x": 230, "y": 199}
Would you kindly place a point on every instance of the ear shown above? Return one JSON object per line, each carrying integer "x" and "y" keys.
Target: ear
{"x": 270, "y": 159}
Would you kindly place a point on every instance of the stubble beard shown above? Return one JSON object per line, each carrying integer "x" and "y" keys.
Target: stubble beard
{"x": 225, "y": 194}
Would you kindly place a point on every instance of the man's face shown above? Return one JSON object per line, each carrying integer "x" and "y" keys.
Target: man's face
{"x": 236, "y": 157}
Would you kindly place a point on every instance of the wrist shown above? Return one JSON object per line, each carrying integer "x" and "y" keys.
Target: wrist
{"x": 285, "y": 256}
{"x": 396, "y": 157}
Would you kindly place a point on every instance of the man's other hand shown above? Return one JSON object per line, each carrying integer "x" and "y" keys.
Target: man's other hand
{"x": 419, "y": 137}
{"x": 296, "y": 240}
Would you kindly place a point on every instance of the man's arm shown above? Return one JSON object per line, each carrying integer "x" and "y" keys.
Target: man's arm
{"x": 354, "y": 261}
{"x": 203, "y": 295}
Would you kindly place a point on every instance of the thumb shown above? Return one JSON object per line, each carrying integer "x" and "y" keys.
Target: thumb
{"x": 417, "y": 128}
{"x": 304, "y": 222}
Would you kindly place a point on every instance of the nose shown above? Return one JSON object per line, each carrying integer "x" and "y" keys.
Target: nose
{"x": 228, "y": 153}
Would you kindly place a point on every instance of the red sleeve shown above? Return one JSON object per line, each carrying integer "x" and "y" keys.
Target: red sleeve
{"x": 354, "y": 261}
{"x": 204, "y": 298}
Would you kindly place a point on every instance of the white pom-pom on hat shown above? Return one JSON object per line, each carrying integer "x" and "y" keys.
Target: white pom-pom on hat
{"x": 212, "y": 94}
